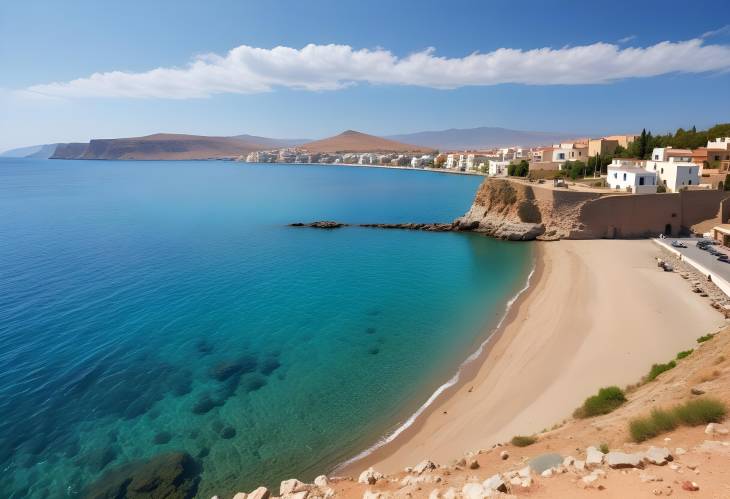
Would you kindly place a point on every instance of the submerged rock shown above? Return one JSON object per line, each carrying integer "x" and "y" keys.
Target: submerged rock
{"x": 162, "y": 437}
{"x": 228, "y": 432}
{"x": 173, "y": 475}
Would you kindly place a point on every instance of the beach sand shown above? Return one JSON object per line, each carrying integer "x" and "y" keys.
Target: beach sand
{"x": 597, "y": 313}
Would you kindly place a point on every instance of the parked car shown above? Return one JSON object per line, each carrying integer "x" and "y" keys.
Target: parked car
{"x": 723, "y": 257}
{"x": 678, "y": 244}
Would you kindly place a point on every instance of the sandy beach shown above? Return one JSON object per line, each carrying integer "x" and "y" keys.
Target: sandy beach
{"x": 598, "y": 313}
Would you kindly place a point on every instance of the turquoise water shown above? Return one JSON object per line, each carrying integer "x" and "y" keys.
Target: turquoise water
{"x": 147, "y": 307}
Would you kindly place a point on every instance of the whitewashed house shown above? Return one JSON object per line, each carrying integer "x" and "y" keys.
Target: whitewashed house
{"x": 629, "y": 176}
{"x": 498, "y": 168}
{"x": 674, "y": 168}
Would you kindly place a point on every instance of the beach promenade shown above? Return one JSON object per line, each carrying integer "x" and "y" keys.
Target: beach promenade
{"x": 597, "y": 313}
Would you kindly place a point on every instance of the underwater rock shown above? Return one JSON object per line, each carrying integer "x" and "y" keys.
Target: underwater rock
{"x": 162, "y": 437}
{"x": 370, "y": 330}
{"x": 204, "y": 405}
{"x": 204, "y": 347}
{"x": 228, "y": 432}
{"x": 254, "y": 383}
{"x": 98, "y": 458}
{"x": 269, "y": 366}
{"x": 173, "y": 475}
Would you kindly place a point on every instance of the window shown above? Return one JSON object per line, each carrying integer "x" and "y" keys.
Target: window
{"x": 561, "y": 155}
{"x": 656, "y": 157}
{"x": 624, "y": 177}
{"x": 641, "y": 180}
{"x": 662, "y": 170}
{"x": 615, "y": 175}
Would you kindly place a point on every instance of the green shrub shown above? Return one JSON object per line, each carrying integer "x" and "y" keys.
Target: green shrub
{"x": 705, "y": 338}
{"x": 607, "y": 400}
{"x": 692, "y": 413}
{"x": 701, "y": 411}
{"x": 659, "y": 421}
{"x": 684, "y": 353}
{"x": 657, "y": 369}
{"x": 523, "y": 441}
{"x": 604, "y": 448}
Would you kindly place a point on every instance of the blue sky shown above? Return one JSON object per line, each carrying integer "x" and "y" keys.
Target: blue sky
{"x": 46, "y": 42}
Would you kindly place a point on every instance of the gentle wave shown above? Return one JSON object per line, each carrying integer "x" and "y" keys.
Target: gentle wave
{"x": 441, "y": 389}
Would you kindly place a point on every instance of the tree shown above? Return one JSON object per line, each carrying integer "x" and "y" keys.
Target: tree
{"x": 520, "y": 169}
{"x": 727, "y": 182}
{"x": 439, "y": 162}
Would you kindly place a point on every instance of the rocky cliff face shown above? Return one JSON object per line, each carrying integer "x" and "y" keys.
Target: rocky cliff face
{"x": 520, "y": 212}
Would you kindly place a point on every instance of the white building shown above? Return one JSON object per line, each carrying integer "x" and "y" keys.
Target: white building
{"x": 498, "y": 168}
{"x": 628, "y": 175}
{"x": 424, "y": 160}
{"x": 475, "y": 161}
{"x": 719, "y": 143}
{"x": 673, "y": 170}
{"x": 568, "y": 152}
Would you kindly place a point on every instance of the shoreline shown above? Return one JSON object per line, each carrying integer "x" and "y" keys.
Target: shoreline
{"x": 552, "y": 358}
{"x": 465, "y": 372}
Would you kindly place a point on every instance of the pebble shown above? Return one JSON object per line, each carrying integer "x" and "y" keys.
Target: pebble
{"x": 504, "y": 455}
{"x": 690, "y": 486}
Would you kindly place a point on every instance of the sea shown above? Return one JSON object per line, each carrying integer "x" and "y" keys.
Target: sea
{"x": 149, "y": 307}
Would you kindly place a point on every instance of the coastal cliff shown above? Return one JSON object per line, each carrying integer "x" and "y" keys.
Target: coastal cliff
{"x": 519, "y": 211}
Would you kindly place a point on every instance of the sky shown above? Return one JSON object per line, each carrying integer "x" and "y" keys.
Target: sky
{"x": 77, "y": 70}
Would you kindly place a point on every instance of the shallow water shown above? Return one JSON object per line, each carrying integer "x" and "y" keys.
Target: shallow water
{"x": 155, "y": 306}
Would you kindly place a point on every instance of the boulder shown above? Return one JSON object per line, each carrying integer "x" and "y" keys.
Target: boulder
{"x": 472, "y": 463}
{"x": 369, "y": 476}
{"x": 473, "y": 491}
{"x": 594, "y": 457}
{"x": 657, "y": 455}
{"x": 260, "y": 493}
{"x": 588, "y": 481}
{"x": 296, "y": 495}
{"x": 623, "y": 460}
{"x": 579, "y": 464}
{"x": 292, "y": 486}
{"x": 494, "y": 483}
{"x": 504, "y": 455}
{"x": 450, "y": 493}
{"x": 547, "y": 473}
{"x": 425, "y": 465}
{"x": 716, "y": 429}
{"x": 321, "y": 481}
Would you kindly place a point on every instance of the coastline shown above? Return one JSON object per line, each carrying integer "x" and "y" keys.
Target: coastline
{"x": 465, "y": 372}
{"x": 555, "y": 356}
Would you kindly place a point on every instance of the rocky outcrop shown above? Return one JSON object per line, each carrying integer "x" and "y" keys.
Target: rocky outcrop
{"x": 516, "y": 211}
{"x": 321, "y": 224}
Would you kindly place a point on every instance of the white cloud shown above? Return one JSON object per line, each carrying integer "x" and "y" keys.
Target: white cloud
{"x": 725, "y": 30}
{"x": 249, "y": 70}
{"x": 627, "y": 39}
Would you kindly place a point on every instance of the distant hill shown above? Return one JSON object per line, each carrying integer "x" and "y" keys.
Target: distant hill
{"x": 168, "y": 146}
{"x": 71, "y": 150}
{"x": 481, "y": 138}
{"x": 41, "y": 151}
{"x": 352, "y": 141}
